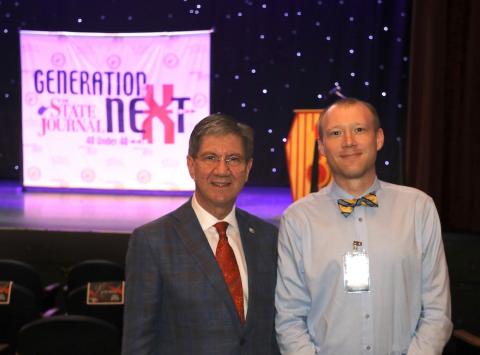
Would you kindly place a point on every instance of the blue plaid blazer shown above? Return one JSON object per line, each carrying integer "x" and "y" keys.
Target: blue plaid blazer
{"x": 177, "y": 301}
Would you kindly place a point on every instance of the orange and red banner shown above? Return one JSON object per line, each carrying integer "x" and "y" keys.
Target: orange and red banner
{"x": 301, "y": 151}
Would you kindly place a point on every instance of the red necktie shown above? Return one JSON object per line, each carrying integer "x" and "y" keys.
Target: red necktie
{"x": 228, "y": 265}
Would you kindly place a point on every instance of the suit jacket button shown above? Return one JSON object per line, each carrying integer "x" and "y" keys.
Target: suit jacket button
{"x": 243, "y": 341}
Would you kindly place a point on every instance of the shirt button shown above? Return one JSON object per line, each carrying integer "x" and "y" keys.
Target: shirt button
{"x": 360, "y": 219}
{"x": 368, "y": 347}
{"x": 367, "y": 316}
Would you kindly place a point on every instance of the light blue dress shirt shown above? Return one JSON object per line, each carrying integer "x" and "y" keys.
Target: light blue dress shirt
{"x": 406, "y": 311}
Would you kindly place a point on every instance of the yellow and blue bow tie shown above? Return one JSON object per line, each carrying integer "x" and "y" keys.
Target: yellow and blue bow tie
{"x": 347, "y": 205}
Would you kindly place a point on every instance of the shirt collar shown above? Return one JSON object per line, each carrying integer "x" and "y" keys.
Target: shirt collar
{"x": 337, "y": 192}
{"x": 207, "y": 220}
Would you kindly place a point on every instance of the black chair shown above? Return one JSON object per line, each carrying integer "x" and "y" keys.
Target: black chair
{"x": 21, "y": 310}
{"x": 466, "y": 318}
{"x": 68, "y": 335}
{"x": 22, "y": 274}
{"x": 466, "y": 342}
{"x": 5, "y": 349}
{"x": 93, "y": 271}
{"x": 76, "y": 303}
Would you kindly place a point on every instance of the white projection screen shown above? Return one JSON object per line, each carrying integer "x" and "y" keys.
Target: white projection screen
{"x": 111, "y": 111}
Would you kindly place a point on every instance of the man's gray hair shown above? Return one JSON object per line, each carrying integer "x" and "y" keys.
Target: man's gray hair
{"x": 220, "y": 125}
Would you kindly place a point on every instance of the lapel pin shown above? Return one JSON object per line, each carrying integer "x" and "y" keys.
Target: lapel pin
{"x": 251, "y": 230}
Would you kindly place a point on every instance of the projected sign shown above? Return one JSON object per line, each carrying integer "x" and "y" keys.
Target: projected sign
{"x": 112, "y": 111}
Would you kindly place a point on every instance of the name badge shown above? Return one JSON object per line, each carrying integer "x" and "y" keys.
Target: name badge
{"x": 356, "y": 272}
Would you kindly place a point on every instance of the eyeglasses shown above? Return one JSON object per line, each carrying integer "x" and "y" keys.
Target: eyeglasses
{"x": 212, "y": 160}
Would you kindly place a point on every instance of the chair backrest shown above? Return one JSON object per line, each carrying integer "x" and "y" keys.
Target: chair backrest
{"x": 465, "y": 307}
{"x": 21, "y": 310}
{"x": 72, "y": 335}
{"x": 93, "y": 270}
{"x": 22, "y": 274}
{"x": 76, "y": 304}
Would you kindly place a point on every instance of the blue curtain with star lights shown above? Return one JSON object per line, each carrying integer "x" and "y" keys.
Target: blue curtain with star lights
{"x": 268, "y": 58}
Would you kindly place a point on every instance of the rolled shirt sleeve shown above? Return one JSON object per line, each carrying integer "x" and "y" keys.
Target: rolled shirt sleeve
{"x": 434, "y": 326}
{"x": 292, "y": 300}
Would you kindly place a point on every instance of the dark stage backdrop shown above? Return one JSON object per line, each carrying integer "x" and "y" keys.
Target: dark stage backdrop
{"x": 443, "y": 155}
{"x": 269, "y": 57}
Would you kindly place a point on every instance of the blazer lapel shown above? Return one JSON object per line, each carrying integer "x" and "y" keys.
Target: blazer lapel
{"x": 248, "y": 236}
{"x": 195, "y": 241}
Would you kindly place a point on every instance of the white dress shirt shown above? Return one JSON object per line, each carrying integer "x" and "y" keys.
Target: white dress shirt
{"x": 207, "y": 222}
{"x": 406, "y": 311}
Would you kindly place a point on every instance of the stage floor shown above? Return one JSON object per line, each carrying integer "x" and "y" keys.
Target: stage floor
{"x": 109, "y": 212}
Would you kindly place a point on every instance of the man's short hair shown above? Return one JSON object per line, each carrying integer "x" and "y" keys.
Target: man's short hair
{"x": 349, "y": 101}
{"x": 220, "y": 125}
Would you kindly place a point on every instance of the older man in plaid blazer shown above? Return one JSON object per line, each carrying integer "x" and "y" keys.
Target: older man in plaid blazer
{"x": 179, "y": 298}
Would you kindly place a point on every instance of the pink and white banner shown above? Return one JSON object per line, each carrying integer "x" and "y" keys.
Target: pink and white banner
{"x": 112, "y": 111}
